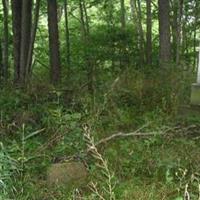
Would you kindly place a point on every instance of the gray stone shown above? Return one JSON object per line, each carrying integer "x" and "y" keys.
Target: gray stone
{"x": 187, "y": 111}
{"x": 195, "y": 94}
{"x": 67, "y": 174}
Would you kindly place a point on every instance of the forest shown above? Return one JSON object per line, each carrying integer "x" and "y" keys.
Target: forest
{"x": 99, "y": 100}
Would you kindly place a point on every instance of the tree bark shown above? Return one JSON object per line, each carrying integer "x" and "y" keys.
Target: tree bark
{"x": 1, "y": 64}
{"x": 5, "y": 40}
{"x": 16, "y": 19}
{"x": 149, "y": 33}
{"x": 68, "y": 53}
{"x": 32, "y": 39}
{"x": 196, "y": 6}
{"x": 136, "y": 12}
{"x": 86, "y": 19}
{"x": 123, "y": 53}
{"x": 176, "y": 29}
{"x": 55, "y": 72}
{"x": 184, "y": 30}
{"x": 26, "y": 25}
{"x": 178, "y": 32}
{"x": 85, "y": 32}
{"x": 164, "y": 32}
{"x": 123, "y": 17}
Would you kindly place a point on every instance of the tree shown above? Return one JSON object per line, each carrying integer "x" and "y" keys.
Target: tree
{"x": 55, "y": 71}
{"x": 5, "y": 40}
{"x": 177, "y": 8}
{"x": 22, "y": 39}
{"x": 26, "y": 25}
{"x": 1, "y": 64}
{"x": 85, "y": 33}
{"x": 164, "y": 32}
{"x": 149, "y": 33}
{"x": 196, "y": 19}
{"x": 137, "y": 17}
{"x": 16, "y": 19}
{"x": 123, "y": 18}
{"x": 68, "y": 56}
{"x": 123, "y": 53}
{"x": 32, "y": 38}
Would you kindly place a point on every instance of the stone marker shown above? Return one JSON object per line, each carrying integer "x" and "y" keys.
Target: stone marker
{"x": 67, "y": 174}
{"x": 195, "y": 94}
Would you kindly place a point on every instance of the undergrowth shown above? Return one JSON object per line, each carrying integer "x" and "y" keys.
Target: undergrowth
{"x": 39, "y": 126}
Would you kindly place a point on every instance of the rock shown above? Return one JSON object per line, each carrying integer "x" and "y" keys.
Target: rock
{"x": 67, "y": 174}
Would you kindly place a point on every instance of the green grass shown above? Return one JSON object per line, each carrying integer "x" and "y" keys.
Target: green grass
{"x": 37, "y": 127}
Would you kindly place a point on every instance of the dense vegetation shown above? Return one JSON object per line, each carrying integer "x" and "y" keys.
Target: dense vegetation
{"x": 100, "y": 82}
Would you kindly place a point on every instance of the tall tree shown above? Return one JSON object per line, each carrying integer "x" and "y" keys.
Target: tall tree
{"x": 22, "y": 42}
{"x": 196, "y": 19}
{"x": 68, "y": 56}
{"x": 32, "y": 38}
{"x": 137, "y": 17}
{"x": 85, "y": 32}
{"x": 26, "y": 25}
{"x": 164, "y": 31}
{"x": 123, "y": 18}
{"x": 5, "y": 39}
{"x": 55, "y": 71}
{"x": 1, "y": 64}
{"x": 149, "y": 33}
{"x": 177, "y": 7}
{"x": 123, "y": 53}
{"x": 16, "y": 19}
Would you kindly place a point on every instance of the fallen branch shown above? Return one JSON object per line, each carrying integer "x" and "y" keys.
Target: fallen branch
{"x": 123, "y": 135}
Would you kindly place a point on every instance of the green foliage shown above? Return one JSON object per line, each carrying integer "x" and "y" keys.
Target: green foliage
{"x": 41, "y": 123}
{"x": 8, "y": 167}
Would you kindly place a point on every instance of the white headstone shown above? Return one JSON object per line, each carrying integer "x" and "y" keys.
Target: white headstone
{"x": 198, "y": 69}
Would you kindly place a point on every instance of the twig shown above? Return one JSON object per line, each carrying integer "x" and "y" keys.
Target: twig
{"x": 123, "y": 135}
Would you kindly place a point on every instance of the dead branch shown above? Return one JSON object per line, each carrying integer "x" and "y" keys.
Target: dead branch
{"x": 124, "y": 135}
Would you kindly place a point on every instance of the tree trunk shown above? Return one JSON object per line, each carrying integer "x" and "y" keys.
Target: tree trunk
{"x": 25, "y": 38}
{"x": 149, "y": 34}
{"x": 184, "y": 30}
{"x": 123, "y": 18}
{"x": 16, "y": 19}
{"x": 5, "y": 40}
{"x": 178, "y": 30}
{"x": 174, "y": 26}
{"x": 164, "y": 32}
{"x": 123, "y": 53}
{"x": 86, "y": 19}
{"x": 1, "y": 64}
{"x": 86, "y": 40}
{"x": 138, "y": 9}
{"x": 68, "y": 56}
{"x": 89, "y": 61}
{"x": 196, "y": 6}
{"x": 55, "y": 72}
{"x": 136, "y": 12}
{"x": 177, "y": 8}
{"x": 32, "y": 39}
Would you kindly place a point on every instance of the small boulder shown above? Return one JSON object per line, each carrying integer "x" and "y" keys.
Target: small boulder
{"x": 67, "y": 174}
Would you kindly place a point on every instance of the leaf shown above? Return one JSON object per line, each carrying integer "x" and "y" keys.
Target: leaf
{"x": 178, "y": 198}
{"x": 33, "y": 134}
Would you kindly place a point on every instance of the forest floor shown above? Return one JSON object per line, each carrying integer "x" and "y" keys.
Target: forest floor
{"x": 36, "y": 129}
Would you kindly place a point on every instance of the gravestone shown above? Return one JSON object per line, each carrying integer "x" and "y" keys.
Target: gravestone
{"x": 193, "y": 109}
{"x": 67, "y": 174}
{"x": 195, "y": 93}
